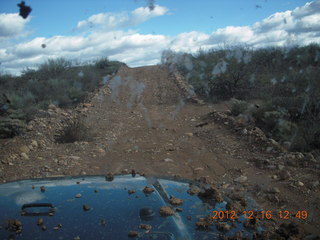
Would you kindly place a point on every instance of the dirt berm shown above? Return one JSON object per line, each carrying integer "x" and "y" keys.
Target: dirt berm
{"x": 148, "y": 120}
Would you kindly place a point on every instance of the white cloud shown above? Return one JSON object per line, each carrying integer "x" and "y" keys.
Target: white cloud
{"x": 188, "y": 42}
{"x": 11, "y": 25}
{"x": 143, "y": 14}
{"x": 106, "y": 20}
{"x": 231, "y": 34}
{"x": 131, "y": 47}
{"x": 308, "y": 9}
{"x": 276, "y": 21}
{"x": 124, "y": 19}
{"x": 299, "y": 26}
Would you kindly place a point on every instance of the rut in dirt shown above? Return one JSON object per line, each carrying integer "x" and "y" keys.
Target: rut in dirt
{"x": 150, "y": 120}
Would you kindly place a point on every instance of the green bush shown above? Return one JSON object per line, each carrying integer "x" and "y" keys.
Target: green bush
{"x": 272, "y": 118}
{"x": 90, "y": 80}
{"x": 238, "y": 106}
{"x": 102, "y": 63}
{"x": 285, "y": 130}
{"x": 258, "y": 113}
{"x": 76, "y": 94}
{"x": 113, "y": 67}
{"x": 75, "y": 131}
{"x": 308, "y": 136}
{"x": 11, "y": 127}
{"x": 43, "y": 105}
{"x": 54, "y": 67}
{"x": 55, "y": 81}
{"x": 286, "y": 79}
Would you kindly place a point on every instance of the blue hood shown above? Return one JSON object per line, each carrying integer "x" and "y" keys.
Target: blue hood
{"x": 97, "y": 207}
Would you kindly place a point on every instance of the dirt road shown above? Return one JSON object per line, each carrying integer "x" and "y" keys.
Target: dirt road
{"x": 142, "y": 120}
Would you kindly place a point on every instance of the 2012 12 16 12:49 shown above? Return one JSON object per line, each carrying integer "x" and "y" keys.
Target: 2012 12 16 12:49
{"x": 263, "y": 214}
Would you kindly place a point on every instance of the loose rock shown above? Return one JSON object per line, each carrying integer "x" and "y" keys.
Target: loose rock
{"x": 193, "y": 190}
{"x": 24, "y": 149}
{"x": 148, "y": 190}
{"x": 223, "y": 226}
{"x": 175, "y": 201}
{"x": 211, "y": 193}
{"x": 109, "y": 177}
{"x": 34, "y": 143}
{"x": 284, "y": 175}
{"x": 86, "y": 208}
{"x": 78, "y": 195}
{"x": 145, "y": 226}
{"x": 168, "y": 160}
{"x": 203, "y": 223}
{"x": 24, "y": 156}
{"x": 300, "y": 184}
{"x": 133, "y": 234}
{"x": 166, "y": 211}
{"x": 241, "y": 179}
{"x": 274, "y": 190}
{"x": 131, "y": 191}
{"x": 40, "y": 222}
{"x": 14, "y": 225}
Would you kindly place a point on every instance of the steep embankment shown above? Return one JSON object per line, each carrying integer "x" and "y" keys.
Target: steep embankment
{"x": 146, "y": 120}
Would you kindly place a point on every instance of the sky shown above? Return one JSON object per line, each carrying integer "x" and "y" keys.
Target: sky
{"x": 138, "y": 31}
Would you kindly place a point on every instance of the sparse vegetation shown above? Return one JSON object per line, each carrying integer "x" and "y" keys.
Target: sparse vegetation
{"x": 285, "y": 79}
{"x": 238, "y": 107}
{"x": 75, "y": 131}
{"x": 56, "y": 81}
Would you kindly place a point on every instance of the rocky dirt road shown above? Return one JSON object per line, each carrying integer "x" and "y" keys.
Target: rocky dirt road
{"x": 145, "y": 120}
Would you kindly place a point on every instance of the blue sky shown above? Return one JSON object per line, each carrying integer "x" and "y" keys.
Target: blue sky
{"x": 127, "y": 30}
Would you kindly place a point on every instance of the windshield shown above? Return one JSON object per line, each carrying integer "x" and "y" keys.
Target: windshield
{"x": 223, "y": 92}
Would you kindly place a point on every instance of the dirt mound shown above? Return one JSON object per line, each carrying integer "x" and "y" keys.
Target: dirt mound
{"x": 147, "y": 120}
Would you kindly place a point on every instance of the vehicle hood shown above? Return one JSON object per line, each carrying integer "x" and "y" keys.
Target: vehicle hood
{"x": 99, "y": 207}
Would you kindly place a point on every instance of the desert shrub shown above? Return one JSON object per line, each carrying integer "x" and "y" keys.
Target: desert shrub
{"x": 55, "y": 81}
{"x": 102, "y": 63}
{"x": 16, "y": 100}
{"x": 285, "y": 130}
{"x": 76, "y": 94}
{"x": 308, "y": 136}
{"x": 90, "y": 80}
{"x": 75, "y": 131}
{"x": 238, "y": 106}
{"x": 258, "y": 113}
{"x": 315, "y": 141}
{"x": 29, "y": 73}
{"x": 29, "y": 111}
{"x": 16, "y": 114}
{"x": 113, "y": 67}
{"x": 231, "y": 74}
{"x": 286, "y": 79}
{"x": 53, "y": 67}
{"x": 215, "y": 74}
{"x": 11, "y": 127}
{"x": 271, "y": 119}
{"x": 43, "y": 105}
